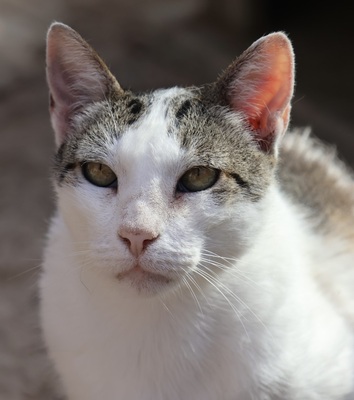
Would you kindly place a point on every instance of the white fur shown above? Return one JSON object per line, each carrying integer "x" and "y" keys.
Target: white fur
{"x": 264, "y": 324}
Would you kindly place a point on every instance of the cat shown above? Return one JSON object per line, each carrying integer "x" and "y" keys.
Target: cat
{"x": 198, "y": 252}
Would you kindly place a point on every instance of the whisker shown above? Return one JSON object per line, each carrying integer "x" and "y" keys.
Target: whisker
{"x": 232, "y": 270}
{"x": 185, "y": 280}
{"x": 212, "y": 282}
{"x": 27, "y": 271}
{"x": 212, "y": 254}
{"x": 166, "y": 308}
{"x": 235, "y": 297}
{"x": 196, "y": 284}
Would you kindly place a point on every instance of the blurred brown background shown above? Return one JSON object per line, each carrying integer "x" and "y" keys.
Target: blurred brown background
{"x": 147, "y": 44}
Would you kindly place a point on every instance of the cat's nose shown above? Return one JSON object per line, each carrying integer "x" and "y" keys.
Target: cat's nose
{"x": 137, "y": 241}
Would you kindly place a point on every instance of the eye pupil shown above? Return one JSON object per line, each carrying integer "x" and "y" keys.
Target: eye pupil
{"x": 197, "y": 179}
{"x": 99, "y": 174}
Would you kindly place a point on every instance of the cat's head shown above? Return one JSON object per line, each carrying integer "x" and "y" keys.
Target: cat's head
{"x": 162, "y": 189}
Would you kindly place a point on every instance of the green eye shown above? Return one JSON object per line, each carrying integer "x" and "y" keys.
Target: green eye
{"x": 197, "y": 179}
{"x": 99, "y": 174}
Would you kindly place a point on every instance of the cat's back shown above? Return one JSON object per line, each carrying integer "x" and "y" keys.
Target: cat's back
{"x": 313, "y": 176}
{"x": 322, "y": 188}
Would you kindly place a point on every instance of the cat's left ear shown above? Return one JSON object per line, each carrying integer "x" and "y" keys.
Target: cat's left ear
{"x": 260, "y": 85}
{"x": 76, "y": 77}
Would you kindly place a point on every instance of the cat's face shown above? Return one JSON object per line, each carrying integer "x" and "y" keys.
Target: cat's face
{"x": 157, "y": 190}
{"x": 177, "y": 192}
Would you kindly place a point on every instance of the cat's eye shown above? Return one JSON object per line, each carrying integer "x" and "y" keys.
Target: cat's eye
{"x": 197, "y": 179}
{"x": 99, "y": 174}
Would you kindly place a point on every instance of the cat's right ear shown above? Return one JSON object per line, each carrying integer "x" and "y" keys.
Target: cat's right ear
{"x": 259, "y": 85}
{"x": 76, "y": 77}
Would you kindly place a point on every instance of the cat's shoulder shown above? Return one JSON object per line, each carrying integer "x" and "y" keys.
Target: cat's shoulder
{"x": 311, "y": 174}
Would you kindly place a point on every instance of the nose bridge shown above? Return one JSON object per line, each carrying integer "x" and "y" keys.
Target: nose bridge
{"x": 141, "y": 223}
{"x": 142, "y": 212}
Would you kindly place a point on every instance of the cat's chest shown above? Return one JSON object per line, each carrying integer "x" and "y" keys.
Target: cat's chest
{"x": 148, "y": 355}
{"x": 110, "y": 345}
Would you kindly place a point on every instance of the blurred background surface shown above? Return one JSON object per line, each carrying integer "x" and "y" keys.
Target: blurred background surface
{"x": 147, "y": 44}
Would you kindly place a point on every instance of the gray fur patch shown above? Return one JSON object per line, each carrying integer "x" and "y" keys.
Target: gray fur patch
{"x": 93, "y": 128}
{"x": 212, "y": 136}
{"x": 217, "y": 137}
{"x": 183, "y": 110}
{"x": 314, "y": 178}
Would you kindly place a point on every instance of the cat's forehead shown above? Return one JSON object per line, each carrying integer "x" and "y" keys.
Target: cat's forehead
{"x": 142, "y": 123}
{"x": 176, "y": 123}
{"x": 164, "y": 133}
{"x": 151, "y": 142}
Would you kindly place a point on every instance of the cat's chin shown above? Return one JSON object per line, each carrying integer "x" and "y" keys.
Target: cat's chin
{"x": 143, "y": 281}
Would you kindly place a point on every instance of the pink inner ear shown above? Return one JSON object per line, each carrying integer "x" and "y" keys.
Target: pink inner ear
{"x": 263, "y": 86}
{"x": 76, "y": 77}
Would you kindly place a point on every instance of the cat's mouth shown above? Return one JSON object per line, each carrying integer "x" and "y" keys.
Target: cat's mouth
{"x": 143, "y": 279}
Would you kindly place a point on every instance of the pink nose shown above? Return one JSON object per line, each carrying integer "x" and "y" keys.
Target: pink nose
{"x": 138, "y": 240}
